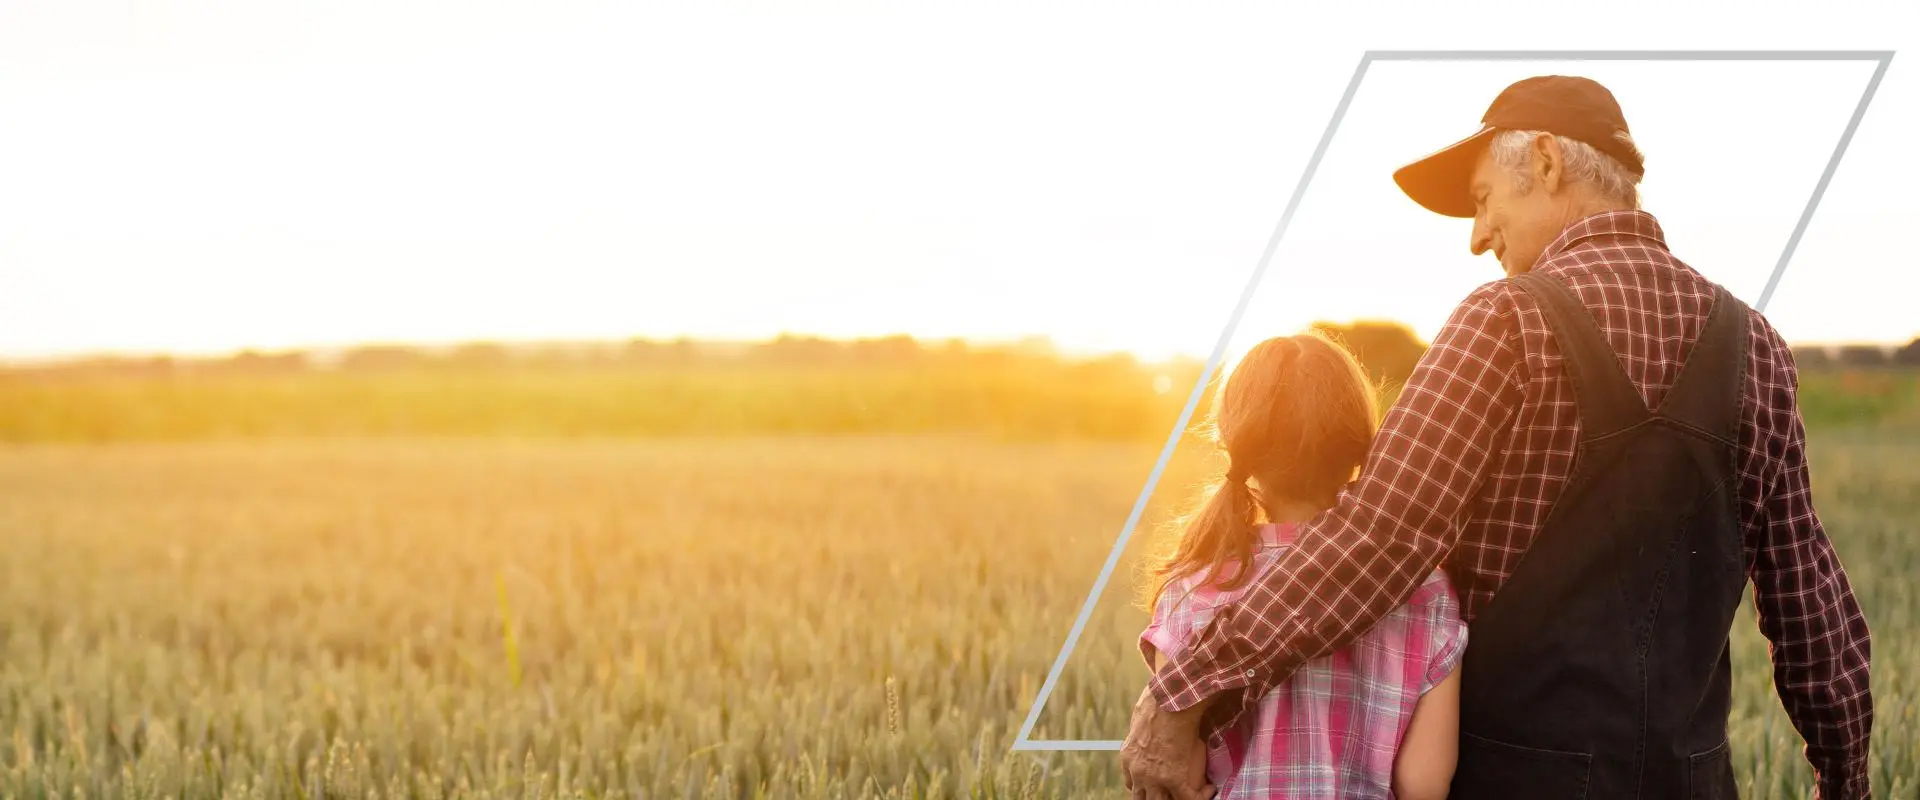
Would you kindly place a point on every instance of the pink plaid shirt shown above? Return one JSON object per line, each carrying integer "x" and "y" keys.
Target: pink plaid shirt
{"x": 1332, "y": 729}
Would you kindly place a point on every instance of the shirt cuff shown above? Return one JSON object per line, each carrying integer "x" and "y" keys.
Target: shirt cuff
{"x": 1847, "y": 783}
{"x": 1447, "y": 660}
{"x": 1157, "y": 639}
{"x": 1178, "y": 688}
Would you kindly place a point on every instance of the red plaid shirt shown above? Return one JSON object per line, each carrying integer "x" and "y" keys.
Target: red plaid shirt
{"x": 1470, "y": 459}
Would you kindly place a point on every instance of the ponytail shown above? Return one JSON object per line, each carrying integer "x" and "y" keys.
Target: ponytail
{"x": 1220, "y": 532}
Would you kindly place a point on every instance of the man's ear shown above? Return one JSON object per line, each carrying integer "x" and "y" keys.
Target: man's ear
{"x": 1548, "y": 167}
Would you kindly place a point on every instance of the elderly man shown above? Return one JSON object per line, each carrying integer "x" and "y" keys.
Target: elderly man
{"x": 1603, "y": 448}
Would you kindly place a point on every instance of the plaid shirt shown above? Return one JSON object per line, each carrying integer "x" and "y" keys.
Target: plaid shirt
{"x": 1332, "y": 730}
{"x": 1470, "y": 459}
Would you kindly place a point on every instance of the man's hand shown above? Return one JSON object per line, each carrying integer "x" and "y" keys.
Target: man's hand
{"x": 1164, "y": 758}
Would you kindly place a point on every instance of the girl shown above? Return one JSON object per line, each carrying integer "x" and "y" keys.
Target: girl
{"x": 1378, "y": 719}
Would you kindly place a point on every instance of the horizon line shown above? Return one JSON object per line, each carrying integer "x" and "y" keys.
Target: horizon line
{"x": 1032, "y": 340}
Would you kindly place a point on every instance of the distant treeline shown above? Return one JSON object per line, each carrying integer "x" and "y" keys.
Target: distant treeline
{"x": 1813, "y": 357}
{"x": 791, "y": 385}
{"x": 783, "y": 351}
{"x": 1389, "y": 351}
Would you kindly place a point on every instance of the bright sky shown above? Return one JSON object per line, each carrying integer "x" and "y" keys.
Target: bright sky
{"x": 258, "y": 174}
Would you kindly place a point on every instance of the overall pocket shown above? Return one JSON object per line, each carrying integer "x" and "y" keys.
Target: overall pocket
{"x": 1710, "y": 775}
{"x": 1491, "y": 769}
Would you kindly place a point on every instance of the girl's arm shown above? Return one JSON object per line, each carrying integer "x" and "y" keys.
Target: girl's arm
{"x": 1423, "y": 770}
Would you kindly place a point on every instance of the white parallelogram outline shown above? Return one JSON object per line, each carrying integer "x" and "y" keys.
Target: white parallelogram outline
{"x": 1883, "y": 57}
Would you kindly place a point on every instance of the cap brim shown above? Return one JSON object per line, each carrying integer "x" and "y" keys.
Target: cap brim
{"x": 1439, "y": 181}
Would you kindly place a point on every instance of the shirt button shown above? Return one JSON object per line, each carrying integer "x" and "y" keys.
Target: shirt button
{"x": 1249, "y": 673}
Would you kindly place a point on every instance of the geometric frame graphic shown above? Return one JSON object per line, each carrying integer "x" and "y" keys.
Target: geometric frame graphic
{"x": 1884, "y": 57}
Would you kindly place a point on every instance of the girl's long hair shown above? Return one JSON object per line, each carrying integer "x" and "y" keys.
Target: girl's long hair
{"x": 1298, "y": 415}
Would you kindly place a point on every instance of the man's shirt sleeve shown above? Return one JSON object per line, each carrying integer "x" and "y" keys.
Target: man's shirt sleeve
{"x": 1806, "y": 609}
{"x": 1388, "y": 530}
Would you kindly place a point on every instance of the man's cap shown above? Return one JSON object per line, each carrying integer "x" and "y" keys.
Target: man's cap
{"x": 1577, "y": 108}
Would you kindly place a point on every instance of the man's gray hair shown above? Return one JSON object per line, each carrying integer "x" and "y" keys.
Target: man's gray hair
{"x": 1512, "y": 150}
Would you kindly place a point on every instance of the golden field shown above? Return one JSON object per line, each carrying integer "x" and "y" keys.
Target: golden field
{"x": 700, "y": 616}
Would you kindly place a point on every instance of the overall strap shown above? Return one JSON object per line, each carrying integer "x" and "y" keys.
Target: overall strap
{"x": 1707, "y": 394}
{"x": 1607, "y": 399}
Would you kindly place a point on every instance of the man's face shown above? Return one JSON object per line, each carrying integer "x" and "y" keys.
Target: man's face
{"x": 1516, "y": 225}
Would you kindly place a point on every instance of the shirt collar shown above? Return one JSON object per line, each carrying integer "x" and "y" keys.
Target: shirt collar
{"x": 1278, "y": 534}
{"x": 1634, "y": 223}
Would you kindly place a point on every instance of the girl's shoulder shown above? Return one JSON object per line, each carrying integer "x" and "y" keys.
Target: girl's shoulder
{"x": 1187, "y": 604}
{"x": 1210, "y": 587}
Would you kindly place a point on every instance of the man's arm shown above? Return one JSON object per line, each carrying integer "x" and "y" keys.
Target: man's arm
{"x": 1354, "y": 563}
{"x": 1806, "y": 608}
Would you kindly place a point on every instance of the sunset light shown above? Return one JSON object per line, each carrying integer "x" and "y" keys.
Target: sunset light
{"x": 189, "y": 195}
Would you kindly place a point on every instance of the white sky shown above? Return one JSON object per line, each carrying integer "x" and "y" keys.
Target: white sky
{"x": 205, "y": 177}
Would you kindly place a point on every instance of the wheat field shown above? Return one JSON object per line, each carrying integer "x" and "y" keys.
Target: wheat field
{"x": 676, "y": 618}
